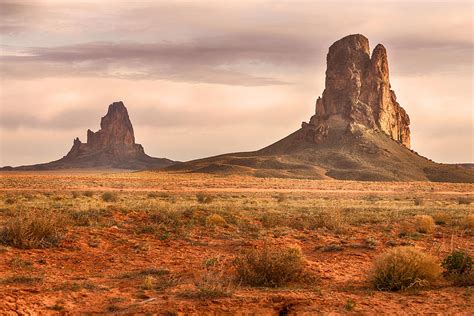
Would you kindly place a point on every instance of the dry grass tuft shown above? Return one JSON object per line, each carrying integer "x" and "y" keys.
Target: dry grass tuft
{"x": 211, "y": 284}
{"x": 33, "y": 229}
{"x": 419, "y": 201}
{"x": 442, "y": 218}
{"x": 109, "y": 197}
{"x": 424, "y": 224}
{"x": 402, "y": 268}
{"x": 270, "y": 266}
{"x": 464, "y": 200}
{"x": 215, "y": 220}
{"x": 469, "y": 222}
{"x": 204, "y": 198}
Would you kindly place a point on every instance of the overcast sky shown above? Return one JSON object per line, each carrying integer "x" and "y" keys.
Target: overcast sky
{"x": 201, "y": 78}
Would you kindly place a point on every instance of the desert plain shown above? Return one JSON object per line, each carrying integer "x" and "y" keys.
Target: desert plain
{"x": 173, "y": 243}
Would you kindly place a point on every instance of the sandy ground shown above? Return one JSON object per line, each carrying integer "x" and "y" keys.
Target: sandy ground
{"x": 85, "y": 274}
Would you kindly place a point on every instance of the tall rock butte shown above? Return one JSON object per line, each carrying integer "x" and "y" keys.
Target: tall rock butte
{"x": 115, "y": 136}
{"x": 113, "y": 146}
{"x": 359, "y": 131}
{"x": 357, "y": 89}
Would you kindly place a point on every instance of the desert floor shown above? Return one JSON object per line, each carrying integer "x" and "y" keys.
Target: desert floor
{"x": 167, "y": 243}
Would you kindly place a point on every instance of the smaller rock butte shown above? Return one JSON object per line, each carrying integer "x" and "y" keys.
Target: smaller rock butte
{"x": 115, "y": 136}
{"x": 113, "y": 146}
{"x": 357, "y": 89}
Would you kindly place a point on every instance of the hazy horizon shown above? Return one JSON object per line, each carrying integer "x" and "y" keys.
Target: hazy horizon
{"x": 211, "y": 78}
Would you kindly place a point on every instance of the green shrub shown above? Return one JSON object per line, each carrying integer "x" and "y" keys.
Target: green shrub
{"x": 109, "y": 197}
{"x": 270, "y": 266}
{"x": 404, "y": 267}
{"x": 458, "y": 268}
{"x": 33, "y": 229}
{"x": 457, "y": 262}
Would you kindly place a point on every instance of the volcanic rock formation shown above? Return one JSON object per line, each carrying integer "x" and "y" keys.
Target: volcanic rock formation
{"x": 359, "y": 131}
{"x": 115, "y": 136}
{"x": 113, "y": 146}
{"x": 358, "y": 90}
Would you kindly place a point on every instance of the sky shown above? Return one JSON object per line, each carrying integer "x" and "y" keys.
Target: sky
{"x": 202, "y": 78}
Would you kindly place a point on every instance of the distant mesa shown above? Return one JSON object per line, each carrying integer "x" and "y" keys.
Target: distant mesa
{"x": 358, "y": 132}
{"x": 113, "y": 146}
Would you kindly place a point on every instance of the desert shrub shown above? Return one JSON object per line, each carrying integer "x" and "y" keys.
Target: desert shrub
{"x": 109, "y": 197}
{"x": 457, "y": 262}
{"x": 272, "y": 219}
{"x": 86, "y": 218}
{"x": 167, "y": 218}
{"x": 215, "y": 220}
{"x": 441, "y": 218}
{"x": 22, "y": 279}
{"x": 33, "y": 229}
{"x": 270, "y": 266}
{"x": 419, "y": 201}
{"x": 204, "y": 198}
{"x": 210, "y": 285}
{"x": 88, "y": 193}
{"x": 402, "y": 268}
{"x": 332, "y": 220}
{"x": 458, "y": 268}
{"x": 17, "y": 262}
{"x": 156, "y": 272}
{"x": 282, "y": 197}
{"x": 464, "y": 200}
{"x": 247, "y": 228}
{"x": 424, "y": 224}
{"x": 469, "y": 222}
{"x": 465, "y": 279}
{"x": 10, "y": 200}
{"x": 75, "y": 194}
{"x": 152, "y": 195}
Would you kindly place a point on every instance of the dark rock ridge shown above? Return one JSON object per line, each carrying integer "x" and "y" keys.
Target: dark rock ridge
{"x": 358, "y": 90}
{"x": 113, "y": 146}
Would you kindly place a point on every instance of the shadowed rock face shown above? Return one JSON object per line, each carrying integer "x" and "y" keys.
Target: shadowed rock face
{"x": 358, "y": 90}
{"x": 115, "y": 128}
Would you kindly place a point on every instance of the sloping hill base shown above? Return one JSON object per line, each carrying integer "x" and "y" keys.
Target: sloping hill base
{"x": 100, "y": 160}
{"x": 360, "y": 154}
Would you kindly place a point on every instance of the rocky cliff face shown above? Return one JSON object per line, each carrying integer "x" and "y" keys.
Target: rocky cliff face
{"x": 115, "y": 136}
{"x": 358, "y": 91}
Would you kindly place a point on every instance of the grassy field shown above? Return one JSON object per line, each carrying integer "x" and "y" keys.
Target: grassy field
{"x": 193, "y": 244}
